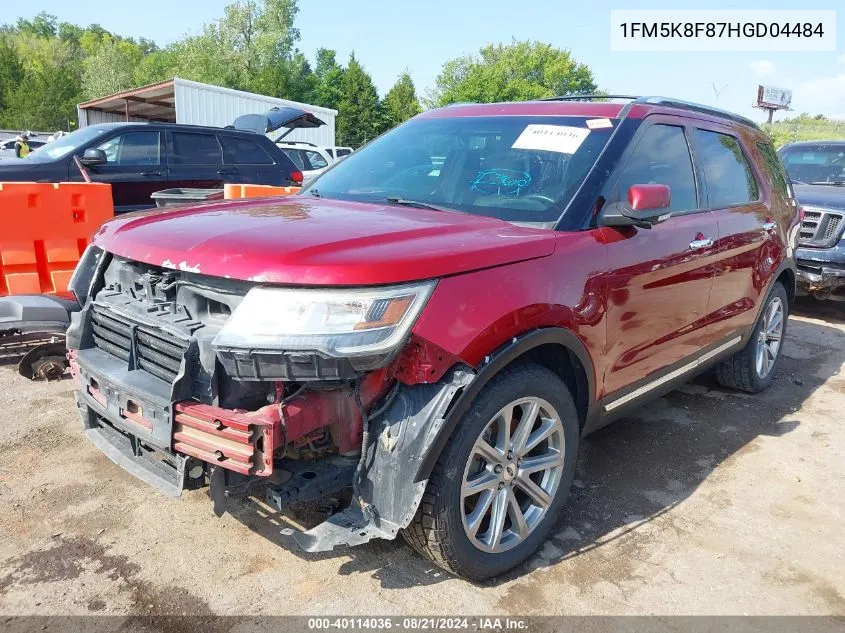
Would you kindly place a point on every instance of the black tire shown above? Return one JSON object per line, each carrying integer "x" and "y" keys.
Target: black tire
{"x": 739, "y": 372}
{"x": 437, "y": 530}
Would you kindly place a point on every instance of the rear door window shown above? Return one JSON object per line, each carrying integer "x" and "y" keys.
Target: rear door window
{"x": 189, "y": 148}
{"x": 727, "y": 173}
{"x": 241, "y": 151}
{"x": 296, "y": 156}
{"x": 317, "y": 161}
{"x": 662, "y": 157}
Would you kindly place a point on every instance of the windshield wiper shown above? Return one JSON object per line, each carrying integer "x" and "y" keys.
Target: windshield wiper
{"x": 418, "y": 204}
{"x": 833, "y": 183}
{"x": 315, "y": 193}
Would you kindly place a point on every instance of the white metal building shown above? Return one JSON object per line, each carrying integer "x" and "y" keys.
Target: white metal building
{"x": 190, "y": 102}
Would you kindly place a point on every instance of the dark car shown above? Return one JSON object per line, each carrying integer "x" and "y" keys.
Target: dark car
{"x": 439, "y": 318}
{"x": 817, "y": 170}
{"x": 7, "y": 147}
{"x": 138, "y": 159}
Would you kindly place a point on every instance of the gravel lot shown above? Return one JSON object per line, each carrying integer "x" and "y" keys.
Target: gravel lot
{"x": 708, "y": 502}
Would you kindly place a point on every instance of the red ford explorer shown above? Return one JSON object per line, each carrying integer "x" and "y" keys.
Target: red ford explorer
{"x": 439, "y": 318}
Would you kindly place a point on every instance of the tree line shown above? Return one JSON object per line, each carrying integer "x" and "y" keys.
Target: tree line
{"x": 47, "y": 67}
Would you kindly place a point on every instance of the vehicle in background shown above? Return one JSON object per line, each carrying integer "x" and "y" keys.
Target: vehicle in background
{"x": 7, "y": 148}
{"x": 338, "y": 152}
{"x": 817, "y": 171}
{"x": 440, "y": 318}
{"x": 310, "y": 159}
{"x": 138, "y": 159}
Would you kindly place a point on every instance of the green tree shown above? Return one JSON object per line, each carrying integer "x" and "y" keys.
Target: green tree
{"x": 328, "y": 91}
{"x": 245, "y": 49}
{"x": 360, "y": 117}
{"x": 401, "y": 101}
{"x": 111, "y": 68}
{"x": 42, "y": 25}
{"x": 11, "y": 70}
{"x": 156, "y": 66}
{"x": 70, "y": 33}
{"x": 514, "y": 72}
{"x": 47, "y": 94}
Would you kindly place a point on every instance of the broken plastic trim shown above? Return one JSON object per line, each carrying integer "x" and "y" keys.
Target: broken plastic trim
{"x": 401, "y": 438}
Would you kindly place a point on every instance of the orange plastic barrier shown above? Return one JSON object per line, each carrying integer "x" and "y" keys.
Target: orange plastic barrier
{"x": 234, "y": 192}
{"x": 44, "y": 228}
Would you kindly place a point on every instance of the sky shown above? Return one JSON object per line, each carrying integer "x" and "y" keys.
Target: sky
{"x": 389, "y": 37}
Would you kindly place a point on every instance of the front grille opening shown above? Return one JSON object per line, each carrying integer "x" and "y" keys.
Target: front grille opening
{"x": 218, "y": 310}
{"x": 157, "y": 352}
{"x": 832, "y": 229}
{"x": 821, "y": 228}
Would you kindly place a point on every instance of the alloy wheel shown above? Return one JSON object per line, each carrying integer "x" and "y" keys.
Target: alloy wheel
{"x": 512, "y": 474}
{"x": 769, "y": 338}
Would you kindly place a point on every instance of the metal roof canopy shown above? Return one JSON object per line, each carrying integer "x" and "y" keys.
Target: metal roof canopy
{"x": 156, "y": 102}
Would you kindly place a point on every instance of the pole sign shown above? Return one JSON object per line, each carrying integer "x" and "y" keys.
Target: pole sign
{"x": 772, "y": 98}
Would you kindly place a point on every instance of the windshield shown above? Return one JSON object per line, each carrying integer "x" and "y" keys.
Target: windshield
{"x": 516, "y": 168}
{"x": 67, "y": 144}
{"x": 815, "y": 164}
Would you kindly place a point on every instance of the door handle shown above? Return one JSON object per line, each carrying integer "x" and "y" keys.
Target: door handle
{"x": 702, "y": 243}
{"x": 151, "y": 173}
{"x": 770, "y": 226}
{"x": 226, "y": 172}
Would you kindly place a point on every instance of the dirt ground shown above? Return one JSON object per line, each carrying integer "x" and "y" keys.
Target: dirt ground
{"x": 707, "y": 502}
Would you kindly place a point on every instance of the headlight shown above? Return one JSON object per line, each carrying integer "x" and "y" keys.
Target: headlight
{"x": 337, "y": 323}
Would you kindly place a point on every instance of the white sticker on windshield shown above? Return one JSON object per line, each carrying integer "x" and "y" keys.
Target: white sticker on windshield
{"x": 551, "y": 138}
{"x": 596, "y": 124}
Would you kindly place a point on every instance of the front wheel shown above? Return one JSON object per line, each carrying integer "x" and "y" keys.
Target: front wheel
{"x": 752, "y": 369}
{"x": 500, "y": 483}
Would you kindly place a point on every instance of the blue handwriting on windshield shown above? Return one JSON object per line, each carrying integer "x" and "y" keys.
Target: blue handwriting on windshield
{"x": 500, "y": 182}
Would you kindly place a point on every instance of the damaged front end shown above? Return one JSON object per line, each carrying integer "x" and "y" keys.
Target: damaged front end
{"x": 282, "y": 394}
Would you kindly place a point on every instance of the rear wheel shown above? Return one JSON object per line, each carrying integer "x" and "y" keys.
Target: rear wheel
{"x": 498, "y": 486}
{"x": 753, "y": 368}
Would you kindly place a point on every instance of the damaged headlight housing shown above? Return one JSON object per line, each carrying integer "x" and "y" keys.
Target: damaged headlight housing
{"x": 339, "y": 323}
{"x": 83, "y": 275}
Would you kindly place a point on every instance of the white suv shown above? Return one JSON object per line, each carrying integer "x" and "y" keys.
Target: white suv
{"x": 339, "y": 152}
{"x": 309, "y": 158}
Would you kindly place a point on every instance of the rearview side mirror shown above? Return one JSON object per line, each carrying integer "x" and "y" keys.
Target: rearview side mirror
{"x": 646, "y": 206}
{"x": 93, "y": 157}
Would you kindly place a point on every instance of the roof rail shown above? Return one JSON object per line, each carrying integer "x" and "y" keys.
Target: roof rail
{"x": 697, "y": 107}
{"x": 664, "y": 101}
{"x": 589, "y": 97}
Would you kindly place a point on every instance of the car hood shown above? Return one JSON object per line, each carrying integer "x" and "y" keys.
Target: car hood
{"x": 820, "y": 195}
{"x": 16, "y": 164}
{"x": 320, "y": 242}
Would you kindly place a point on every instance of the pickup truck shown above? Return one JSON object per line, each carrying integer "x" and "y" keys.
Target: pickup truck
{"x": 817, "y": 171}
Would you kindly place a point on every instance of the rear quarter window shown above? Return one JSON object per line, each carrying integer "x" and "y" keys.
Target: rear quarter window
{"x": 727, "y": 173}
{"x": 774, "y": 170}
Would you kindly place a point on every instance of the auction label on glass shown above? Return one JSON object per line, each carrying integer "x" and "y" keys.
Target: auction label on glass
{"x": 564, "y": 139}
{"x": 720, "y": 30}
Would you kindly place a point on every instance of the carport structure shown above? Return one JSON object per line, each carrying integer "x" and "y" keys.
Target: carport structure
{"x": 192, "y": 103}
{"x": 156, "y": 102}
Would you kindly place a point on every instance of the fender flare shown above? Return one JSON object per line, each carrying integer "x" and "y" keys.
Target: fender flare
{"x": 495, "y": 363}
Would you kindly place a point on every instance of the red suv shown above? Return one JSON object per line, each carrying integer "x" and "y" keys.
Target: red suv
{"x": 439, "y": 318}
